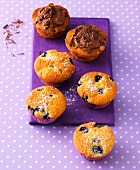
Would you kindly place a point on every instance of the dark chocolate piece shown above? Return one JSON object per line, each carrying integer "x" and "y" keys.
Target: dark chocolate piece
{"x": 6, "y": 26}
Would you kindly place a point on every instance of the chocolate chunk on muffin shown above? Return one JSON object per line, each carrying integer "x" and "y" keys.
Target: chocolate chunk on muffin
{"x": 51, "y": 21}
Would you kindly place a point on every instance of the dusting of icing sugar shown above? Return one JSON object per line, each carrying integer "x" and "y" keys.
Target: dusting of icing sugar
{"x": 55, "y": 68}
{"x": 65, "y": 63}
{"x": 71, "y": 95}
{"x": 78, "y": 69}
{"x": 42, "y": 103}
{"x": 92, "y": 88}
{"x": 109, "y": 86}
{"x": 50, "y": 57}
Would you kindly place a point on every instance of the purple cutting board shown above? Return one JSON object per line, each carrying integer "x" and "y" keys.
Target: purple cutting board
{"x": 77, "y": 112}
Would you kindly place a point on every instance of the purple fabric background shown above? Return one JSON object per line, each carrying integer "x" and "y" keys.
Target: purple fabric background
{"x": 29, "y": 147}
{"x": 76, "y": 112}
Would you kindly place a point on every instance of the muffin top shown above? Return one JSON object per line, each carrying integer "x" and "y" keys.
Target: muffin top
{"x": 87, "y": 38}
{"x": 93, "y": 140}
{"x": 97, "y": 88}
{"x": 46, "y": 102}
{"x": 51, "y": 16}
{"x": 54, "y": 66}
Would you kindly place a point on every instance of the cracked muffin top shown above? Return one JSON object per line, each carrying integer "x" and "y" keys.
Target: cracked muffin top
{"x": 46, "y": 102}
{"x": 93, "y": 140}
{"x": 97, "y": 88}
{"x": 53, "y": 66}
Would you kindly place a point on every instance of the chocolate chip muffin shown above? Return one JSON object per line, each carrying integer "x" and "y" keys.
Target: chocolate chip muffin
{"x": 97, "y": 89}
{"x": 53, "y": 67}
{"x": 94, "y": 141}
{"x": 45, "y": 104}
{"x": 86, "y": 42}
{"x": 51, "y": 21}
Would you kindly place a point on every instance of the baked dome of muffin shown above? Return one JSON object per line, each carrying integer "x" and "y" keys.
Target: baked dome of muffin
{"x": 93, "y": 140}
{"x": 51, "y": 21}
{"x": 86, "y": 42}
{"x": 53, "y": 67}
{"x": 97, "y": 89}
{"x": 45, "y": 104}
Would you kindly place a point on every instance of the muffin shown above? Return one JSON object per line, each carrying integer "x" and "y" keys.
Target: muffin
{"x": 53, "y": 67}
{"x": 97, "y": 89}
{"x": 51, "y": 21}
{"x": 45, "y": 104}
{"x": 93, "y": 140}
{"x": 86, "y": 42}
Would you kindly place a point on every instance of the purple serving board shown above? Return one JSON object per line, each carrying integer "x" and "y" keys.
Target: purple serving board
{"x": 77, "y": 112}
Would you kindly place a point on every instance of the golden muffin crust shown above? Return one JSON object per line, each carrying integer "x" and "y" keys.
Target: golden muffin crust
{"x": 93, "y": 140}
{"x": 51, "y": 21}
{"x": 46, "y": 102}
{"x": 86, "y": 42}
{"x": 97, "y": 88}
{"x": 54, "y": 67}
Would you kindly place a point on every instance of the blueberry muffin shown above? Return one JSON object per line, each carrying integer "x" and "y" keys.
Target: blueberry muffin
{"x": 45, "y": 104}
{"x": 86, "y": 42}
{"x": 94, "y": 141}
{"x": 51, "y": 21}
{"x": 53, "y": 67}
{"x": 97, "y": 89}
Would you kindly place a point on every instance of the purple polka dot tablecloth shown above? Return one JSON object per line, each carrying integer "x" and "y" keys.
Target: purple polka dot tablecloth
{"x": 24, "y": 146}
